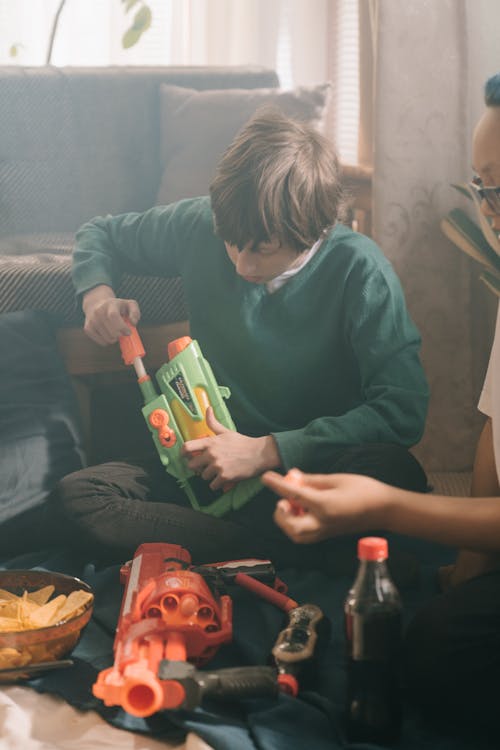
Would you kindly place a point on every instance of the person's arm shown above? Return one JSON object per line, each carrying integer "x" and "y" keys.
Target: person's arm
{"x": 393, "y": 399}
{"x": 344, "y": 503}
{"x": 484, "y": 473}
{"x": 152, "y": 243}
{"x": 471, "y": 562}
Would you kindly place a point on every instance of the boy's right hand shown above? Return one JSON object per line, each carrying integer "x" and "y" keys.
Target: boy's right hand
{"x": 105, "y": 313}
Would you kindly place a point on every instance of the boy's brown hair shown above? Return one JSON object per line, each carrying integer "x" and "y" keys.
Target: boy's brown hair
{"x": 278, "y": 180}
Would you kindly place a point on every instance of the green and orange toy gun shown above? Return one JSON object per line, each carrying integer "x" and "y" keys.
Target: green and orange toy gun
{"x": 188, "y": 387}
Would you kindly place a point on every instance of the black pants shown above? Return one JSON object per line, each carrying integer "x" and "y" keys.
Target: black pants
{"x": 452, "y": 655}
{"x": 114, "y": 507}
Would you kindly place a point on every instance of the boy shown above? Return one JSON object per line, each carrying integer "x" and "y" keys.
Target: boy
{"x": 452, "y": 648}
{"x": 302, "y": 318}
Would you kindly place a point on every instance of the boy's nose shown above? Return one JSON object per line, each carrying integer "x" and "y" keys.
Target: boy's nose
{"x": 246, "y": 262}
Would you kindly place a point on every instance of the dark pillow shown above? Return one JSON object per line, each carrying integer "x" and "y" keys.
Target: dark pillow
{"x": 40, "y": 435}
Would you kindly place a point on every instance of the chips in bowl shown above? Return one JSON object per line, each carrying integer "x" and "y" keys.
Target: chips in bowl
{"x": 42, "y": 614}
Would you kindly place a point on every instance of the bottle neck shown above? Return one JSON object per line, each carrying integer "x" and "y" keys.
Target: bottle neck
{"x": 373, "y": 569}
{"x": 373, "y": 582}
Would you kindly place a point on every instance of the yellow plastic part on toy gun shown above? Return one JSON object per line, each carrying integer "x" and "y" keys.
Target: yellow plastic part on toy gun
{"x": 188, "y": 387}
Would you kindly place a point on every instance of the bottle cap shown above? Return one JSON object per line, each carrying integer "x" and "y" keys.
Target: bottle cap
{"x": 373, "y": 548}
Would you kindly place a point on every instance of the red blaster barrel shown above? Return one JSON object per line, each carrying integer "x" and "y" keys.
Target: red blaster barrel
{"x": 167, "y": 612}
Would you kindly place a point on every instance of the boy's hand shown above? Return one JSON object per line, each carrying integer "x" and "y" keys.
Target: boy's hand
{"x": 334, "y": 503}
{"x": 105, "y": 313}
{"x": 229, "y": 456}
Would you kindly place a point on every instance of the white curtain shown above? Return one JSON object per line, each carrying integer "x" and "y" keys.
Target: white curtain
{"x": 305, "y": 41}
{"x": 431, "y": 60}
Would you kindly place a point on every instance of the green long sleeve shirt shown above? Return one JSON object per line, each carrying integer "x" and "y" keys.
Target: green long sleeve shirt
{"x": 331, "y": 358}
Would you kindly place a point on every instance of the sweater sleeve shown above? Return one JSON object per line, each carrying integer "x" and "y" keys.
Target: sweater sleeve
{"x": 394, "y": 392}
{"x": 145, "y": 244}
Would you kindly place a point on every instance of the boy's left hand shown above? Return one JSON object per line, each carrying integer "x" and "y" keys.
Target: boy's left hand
{"x": 228, "y": 456}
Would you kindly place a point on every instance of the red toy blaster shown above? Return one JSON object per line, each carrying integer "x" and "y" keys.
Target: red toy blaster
{"x": 172, "y": 620}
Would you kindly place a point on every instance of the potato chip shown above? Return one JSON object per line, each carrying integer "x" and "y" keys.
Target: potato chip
{"x": 10, "y": 624}
{"x": 11, "y": 609}
{"x": 41, "y": 596}
{"x": 47, "y": 614}
{"x": 74, "y": 604}
{"x": 7, "y": 594}
{"x": 36, "y": 609}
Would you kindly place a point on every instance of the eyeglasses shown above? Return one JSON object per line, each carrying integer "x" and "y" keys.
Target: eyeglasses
{"x": 490, "y": 194}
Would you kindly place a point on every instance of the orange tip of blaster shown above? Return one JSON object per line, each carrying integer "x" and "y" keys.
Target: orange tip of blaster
{"x": 178, "y": 345}
{"x": 131, "y": 346}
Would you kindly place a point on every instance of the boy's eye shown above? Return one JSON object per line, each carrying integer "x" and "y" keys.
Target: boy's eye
{"x": 266, "y": 250}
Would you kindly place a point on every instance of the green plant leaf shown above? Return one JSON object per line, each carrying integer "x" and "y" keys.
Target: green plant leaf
{"x": 130, "y": 38}
{"x": 129, "y": 4}
{"x": 462, "y": 189}
{"x": 142, "y": 20}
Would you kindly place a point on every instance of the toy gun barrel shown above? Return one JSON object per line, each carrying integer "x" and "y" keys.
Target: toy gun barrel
{"x": 137, "y": 688}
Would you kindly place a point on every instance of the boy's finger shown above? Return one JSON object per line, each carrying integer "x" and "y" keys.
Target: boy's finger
{"x": 213, "y": 423}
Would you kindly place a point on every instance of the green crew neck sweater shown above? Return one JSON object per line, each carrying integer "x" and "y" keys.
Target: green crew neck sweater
{"x": 330, "y": 358}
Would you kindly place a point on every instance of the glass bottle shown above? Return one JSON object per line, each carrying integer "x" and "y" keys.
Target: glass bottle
{"x": 372, "y": 617}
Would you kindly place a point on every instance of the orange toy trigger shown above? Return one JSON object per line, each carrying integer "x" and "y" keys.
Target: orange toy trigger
{"x": 159, "y": 419}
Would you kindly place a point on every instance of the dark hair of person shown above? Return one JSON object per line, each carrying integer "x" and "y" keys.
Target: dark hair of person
{"x": 278, "y": 180}
{"x": 492, "y": 91}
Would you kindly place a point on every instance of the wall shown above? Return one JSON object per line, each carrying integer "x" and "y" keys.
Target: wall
{"x": 432, "y": 60}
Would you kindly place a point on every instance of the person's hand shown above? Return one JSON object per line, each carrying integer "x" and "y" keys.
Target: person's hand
{"x": 228, "y": 456}
{"x": 334, "y": 504}
{"x": 105, "y": 315}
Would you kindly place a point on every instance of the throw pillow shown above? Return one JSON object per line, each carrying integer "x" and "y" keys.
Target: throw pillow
{"x": 197, "y": 126}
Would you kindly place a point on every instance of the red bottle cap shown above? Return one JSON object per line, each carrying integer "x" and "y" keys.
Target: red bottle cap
{"x": 373, "y": 548}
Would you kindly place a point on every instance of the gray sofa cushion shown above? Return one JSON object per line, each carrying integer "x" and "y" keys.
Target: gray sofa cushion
{"x": 197, "y": 126}
{"x": 77, "y": 143}
{"x": 80, "y": 142}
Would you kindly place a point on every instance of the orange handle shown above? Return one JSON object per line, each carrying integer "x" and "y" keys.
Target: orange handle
{"x": 131, "y": 346}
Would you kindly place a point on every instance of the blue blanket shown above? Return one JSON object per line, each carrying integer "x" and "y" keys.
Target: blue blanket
{"x": 314, "y": 720}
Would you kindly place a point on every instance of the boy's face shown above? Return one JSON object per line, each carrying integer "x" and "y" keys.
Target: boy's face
{"x": 261, "y": 263}
{"x": 486, "y": 158}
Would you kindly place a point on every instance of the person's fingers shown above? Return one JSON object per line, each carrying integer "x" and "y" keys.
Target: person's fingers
{"x": 301, "y": 529}
{"x": 208, "y": 473}
{"x": 95, "y": 336}
{"x": 282, "y": 486}
{"x": 213, "y": 423}
{"x": 133, "y": 312}
{"x": 195, "y": 447}
{"x": 115, "y": 321}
